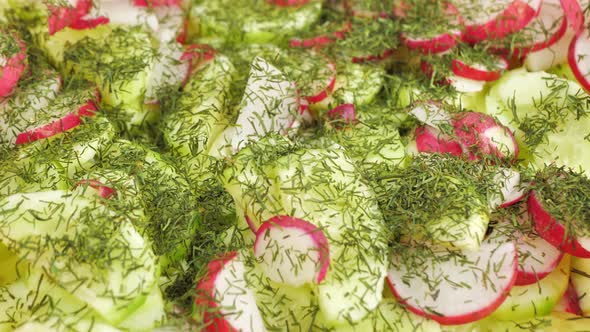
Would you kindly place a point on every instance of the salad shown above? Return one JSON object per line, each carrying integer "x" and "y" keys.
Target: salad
{"x": 294, "y": 165}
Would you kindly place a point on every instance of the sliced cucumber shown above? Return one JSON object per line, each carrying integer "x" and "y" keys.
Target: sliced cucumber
{"x": 322, "y": 186}
{"x": 388, "y": 316}
{"x": 200, "y": 114}
{"x": 40, "y": 227}
{"x": 536, "y": 300}
{"x": 251, "y": 21}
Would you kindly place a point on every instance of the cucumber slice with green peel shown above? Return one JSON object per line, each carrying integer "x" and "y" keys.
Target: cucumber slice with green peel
{"x": 555, "y": 322}
{"x": 388, "y": 316}
{"x": 200, "y": 114}
{"x": 536, "y": 300}
{"x": 148, "y": 316}
{"x": 258, "y": 21}
{"x": 538, "y": 107}
{"x": 308, "y": 182}
{"x": 580, "y": 275}
{"x": 13, "y": 268}
{"x": 113, "y": 285}
{"x": 281, "y": 306}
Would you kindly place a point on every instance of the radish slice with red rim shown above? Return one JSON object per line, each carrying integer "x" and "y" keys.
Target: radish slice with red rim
{"x": 431, "y": 113}
{"x": 557, "y": 204}
{"x": 574, "y": 14}
{"x": 454, "y": 287}
{"x": 431, "y": 140}
{"x": 74, "y": 17}
{"x": 288, "y": 3}
{"x": 483, "y": 137}
{"x": 496, "y": 19}
{"x": 542, "y": 32}
{"x": 228, "y": 302}
{"x": 579, "y": 58}
{"x": 446, "y": 35}
{"x": 555, "y": 232}
{"x": 292, "y": 251}
{"x": 510, "y": 189}
{"x": 477, "y": 71}
{"x": 13, "y": 62}
{"x": 536, "y": 259}
{"x": 372, "y": 57}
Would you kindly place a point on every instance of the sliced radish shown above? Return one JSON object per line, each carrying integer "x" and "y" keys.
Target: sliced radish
{"x": 511, "y": 191}
{"x": 579, "y": 58}
{"x": 445, "y": 37}
{"x": 569, "y": 302}
{"x": 75, "y": 17}
{"x": 432, "y": 45}
{"x": 455, "y": 287}
{"x": 102, "y": 190}
{"x": 322, "y": 91}
{"x": 554, "y": 232}
{"x": 12, "y": 66}
{"x": 431, "y": 140}
{"x": 574, "y": 14}
{"x": 342, "y": 115}
{"x": 169, "y": 70}
{"x": 551, "y": 56}
{"x": 496, "y": 19}
{"x": 292, "y": 251}
{"x": 230, "y": 305}
{"x": 288, "y": 3}
{"x": 536, "y": 259}
{"x": 482, "y": 136}
{"x": 478, "y": 71}
{"x": 321, "y": 40}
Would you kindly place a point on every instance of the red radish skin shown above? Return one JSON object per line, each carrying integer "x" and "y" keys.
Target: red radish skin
{"x": 196, "y": 54}
{"x": 574, "y": 14}
{"x": 454, "y": 306}
{"x": 288, "y": 3}
{"x": 225, "y": 276}
{"x": 343, "y": 115}
{"x": 12, "y": 70}
{"x": 61, "y": 17}
{"x": 434, "y": 45}
{"x": 70, "y": 121}
{"x": 517, "y": 15}
{"x": 479, "y": 72}
{"x": 482, "y": 136}
{"x": 321, "y": 40}
{"x": 330, "y": 85}
{"x": 579, "y": 59}
{"x": 530, "y": 268}
{"x": 569, "y": 302}
{"x": 310, "y": 231}
{"x": 103, "y": 191}
{"x": 553, "y": 231}
{"x": 157, "y": 3}
{"x": 431, "y": 140}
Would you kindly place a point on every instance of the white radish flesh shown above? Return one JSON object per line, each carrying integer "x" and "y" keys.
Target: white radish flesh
{"x": 456, "y": 287}
{"x": 292, "y": 251}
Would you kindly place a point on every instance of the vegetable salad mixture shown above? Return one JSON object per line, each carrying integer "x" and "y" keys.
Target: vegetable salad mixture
{"x": 294, "y": 165}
